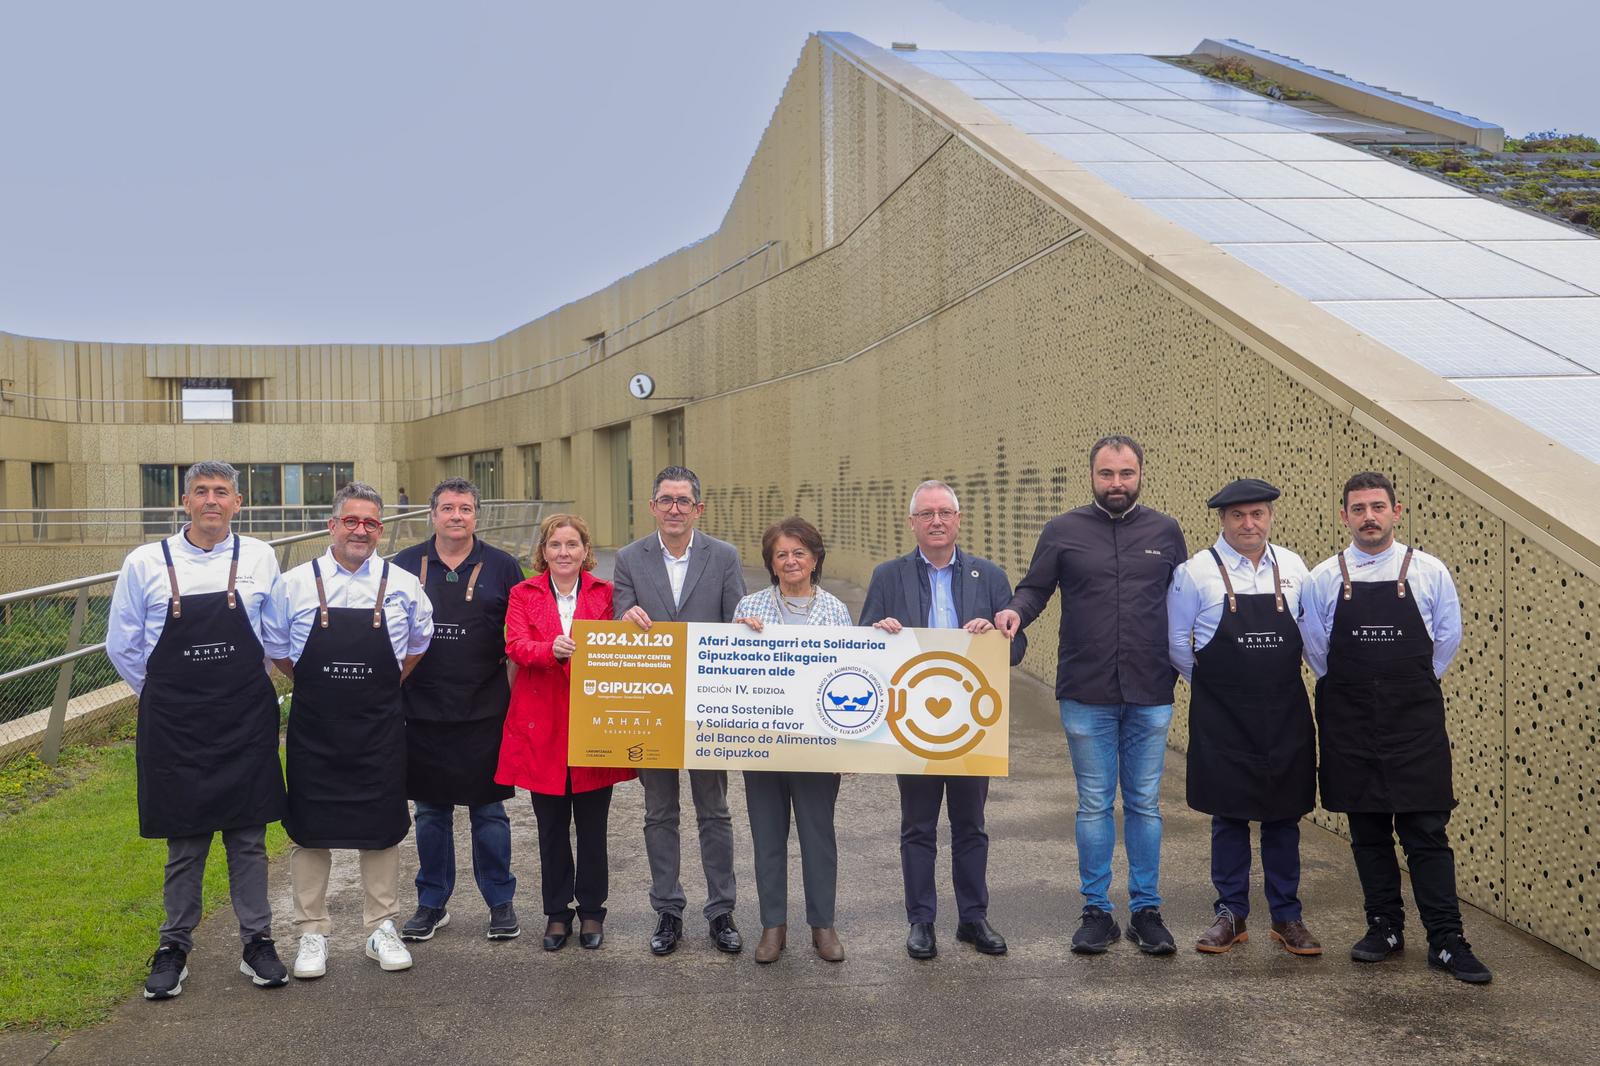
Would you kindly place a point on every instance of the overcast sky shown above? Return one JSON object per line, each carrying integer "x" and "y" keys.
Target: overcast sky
{"x": 425, "y": 172}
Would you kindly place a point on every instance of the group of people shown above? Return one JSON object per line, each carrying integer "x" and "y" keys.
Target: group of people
{"x": 439, "y": 679}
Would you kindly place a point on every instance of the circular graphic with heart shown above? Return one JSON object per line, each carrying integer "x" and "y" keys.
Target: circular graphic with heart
{"x": 941, "y": 706}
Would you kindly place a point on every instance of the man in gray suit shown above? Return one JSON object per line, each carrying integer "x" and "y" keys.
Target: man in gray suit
{"x": 679, "y": 574}
{"x": 939, "y": 586}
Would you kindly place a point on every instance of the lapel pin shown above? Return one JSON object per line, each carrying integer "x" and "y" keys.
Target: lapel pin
{"x": 974, "y": 573}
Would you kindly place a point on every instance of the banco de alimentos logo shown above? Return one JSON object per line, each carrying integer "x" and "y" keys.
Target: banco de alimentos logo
{"x": 850, "y": 701}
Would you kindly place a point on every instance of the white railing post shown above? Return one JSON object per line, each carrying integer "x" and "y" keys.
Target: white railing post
{"x": 51, "y": 750}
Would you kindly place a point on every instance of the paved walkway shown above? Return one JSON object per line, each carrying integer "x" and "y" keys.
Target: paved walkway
{"x": 470, "y": 1001}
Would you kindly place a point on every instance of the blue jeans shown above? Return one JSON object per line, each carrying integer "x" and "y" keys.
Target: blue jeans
{"x": 1112, "y": 742}
{"x": 436, "y": 853}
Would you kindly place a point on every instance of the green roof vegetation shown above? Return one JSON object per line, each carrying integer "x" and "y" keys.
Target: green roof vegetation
{"x": 1559, "y": 186}
{"x": 1236, "y": 71}
{"x": 1551, "y": 141}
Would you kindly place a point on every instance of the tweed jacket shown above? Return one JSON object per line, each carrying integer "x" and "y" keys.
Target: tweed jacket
{"x": 762, "y": 605}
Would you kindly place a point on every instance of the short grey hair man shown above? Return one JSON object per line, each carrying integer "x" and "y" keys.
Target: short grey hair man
{"x": 931, "y": 483}
{"x": 209, "y": 468}
{"x": 454, "y": 484}
{"x": 356, "y": 490}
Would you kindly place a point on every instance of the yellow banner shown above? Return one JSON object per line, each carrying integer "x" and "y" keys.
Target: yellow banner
{"x": 819, "y": 698}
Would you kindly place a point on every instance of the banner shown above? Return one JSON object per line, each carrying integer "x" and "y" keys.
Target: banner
{"x": 819, "y": 698}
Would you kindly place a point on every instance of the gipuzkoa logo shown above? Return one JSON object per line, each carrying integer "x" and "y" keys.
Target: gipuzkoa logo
{"x": 850, "y": 701}
{"x": 348, "y": 671}
{"x": 627, "y": 688}
{"x": 589, "y": 686}
{"x": 203, "y": 653}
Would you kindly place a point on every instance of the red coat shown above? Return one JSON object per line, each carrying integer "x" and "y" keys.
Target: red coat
{"x": 533, "y": 752}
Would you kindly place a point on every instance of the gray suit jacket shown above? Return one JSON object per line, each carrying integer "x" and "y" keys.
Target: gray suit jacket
{"x": 711, "y": 590}
{"x": 896, "y": 592}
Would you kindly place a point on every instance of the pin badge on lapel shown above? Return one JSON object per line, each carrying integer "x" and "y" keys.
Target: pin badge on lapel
{"x": 974, "y": 573}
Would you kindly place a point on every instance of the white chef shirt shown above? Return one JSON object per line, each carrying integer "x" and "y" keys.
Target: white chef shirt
{"x": 140, "y": 600}
{"x": 1431, "y": 588}
{"x": 1196, "y": 597}
{"x": 293, "y": 610}
{"x": 677, "y": 569}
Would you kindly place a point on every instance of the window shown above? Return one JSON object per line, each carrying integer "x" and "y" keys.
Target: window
{"x": 480, "y": 468}
{"x": 532, "y": 487}
{"x": 207, "y": 400}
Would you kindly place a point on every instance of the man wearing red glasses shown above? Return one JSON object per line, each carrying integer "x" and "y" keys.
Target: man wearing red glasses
{"x": 348, "y": 627}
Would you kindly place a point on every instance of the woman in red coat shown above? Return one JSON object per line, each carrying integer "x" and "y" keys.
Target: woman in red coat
{"x": 533, "y": 753}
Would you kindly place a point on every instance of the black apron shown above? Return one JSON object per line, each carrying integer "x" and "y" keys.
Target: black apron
{"x": 456, "y": 698}
{"x": 207, "y": 744}
{"x": 1380, "y": 711}
{"x": 347, "y": 732}
{"x": 1252, "y": 746}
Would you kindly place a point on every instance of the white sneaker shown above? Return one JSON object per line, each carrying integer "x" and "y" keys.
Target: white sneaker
{"x": 312, "y": 959}
{"x": 386, "y": 946}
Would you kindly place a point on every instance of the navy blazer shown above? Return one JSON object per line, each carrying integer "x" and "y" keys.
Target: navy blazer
{"x": 979, "y": 586}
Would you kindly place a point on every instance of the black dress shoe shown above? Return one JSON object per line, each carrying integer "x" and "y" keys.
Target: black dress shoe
{"x": 554, "y": 941}
{"x": 726, "y": 935}
{"x": 920, "y": 942}
{"x": 591, "y": 940}
{"x": 983, "y": 936}
{"x": 669, "y": 930}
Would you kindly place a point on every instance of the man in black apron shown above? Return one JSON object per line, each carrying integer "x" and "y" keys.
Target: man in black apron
{"x": 348, "y": 627}
{"x": 1382, "y": 622}
{"x": 183, "y": 633}
{"x": 455, "y": 703}
{"x": 1233, "y": 613}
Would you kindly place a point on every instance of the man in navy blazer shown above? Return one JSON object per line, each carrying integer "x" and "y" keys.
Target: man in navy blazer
{"x": 940, "y": 586}
{"x": 679, "y": 574}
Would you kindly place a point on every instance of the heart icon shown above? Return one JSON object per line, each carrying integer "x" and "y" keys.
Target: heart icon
{"x": 938, "y": 706}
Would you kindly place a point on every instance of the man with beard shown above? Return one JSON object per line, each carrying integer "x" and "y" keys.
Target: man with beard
{"x": 1112, "y": 561}
{"x": 1382, "y": 622}
{"x": 455, "y": 704}
{"x": 185, "y": 633}
{"x": 348, "y": 628}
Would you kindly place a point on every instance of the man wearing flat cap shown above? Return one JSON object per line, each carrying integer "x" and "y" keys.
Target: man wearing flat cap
{"x": 1233, "y": 633}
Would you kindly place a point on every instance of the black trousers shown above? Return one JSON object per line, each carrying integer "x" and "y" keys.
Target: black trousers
{"x": 560, "y": 879}
{"x": 964, "y": 797}
{"x": 1433, "y": 868}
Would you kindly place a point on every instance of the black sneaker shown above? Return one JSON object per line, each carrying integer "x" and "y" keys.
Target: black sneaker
{"x": 1455, "y": 956}
{"x": 1383, "y": 939}
{"x": 261, "y": 963}
{"x": 169, "y": 968}
{"x": 1097, "y": 933}
{"x": 1147, "y": 930}
{"x": 423, "y": 924}
{"x": 503, "y": 922}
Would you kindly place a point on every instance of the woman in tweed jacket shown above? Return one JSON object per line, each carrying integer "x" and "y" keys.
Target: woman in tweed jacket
{"x": 793, "y": 553}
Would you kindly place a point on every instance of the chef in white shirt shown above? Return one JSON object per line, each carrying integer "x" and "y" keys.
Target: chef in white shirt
{"x": 1382, "y": 622}
{"x": 348, "y": 627}
{"x": 185, "y": 632}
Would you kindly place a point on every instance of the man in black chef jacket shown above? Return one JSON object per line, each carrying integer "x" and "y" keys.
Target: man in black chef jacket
{"x": 347, "y": 627}
{"x": 455, "y": 704}
{"x": 185, "y": 634}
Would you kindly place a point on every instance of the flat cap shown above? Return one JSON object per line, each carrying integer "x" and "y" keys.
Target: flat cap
{"x": 1245, "y": 490}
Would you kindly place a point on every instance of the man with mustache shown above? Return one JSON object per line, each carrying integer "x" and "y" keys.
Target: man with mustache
{"x": 941, "y": 586}
{"x": 1112, "y": 561}
{"x": 1382, "y": 622}
{"x": 456, "y": 702}
{"x": 348, "y": 628}
{"x": 186, "y": 632}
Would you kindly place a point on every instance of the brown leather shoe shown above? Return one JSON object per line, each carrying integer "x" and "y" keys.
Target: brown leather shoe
{"x": 1296, "y": 938}
{"x": 826, "y": 941}
{"x": 772, "y": 941}
{"x": 1224, "y": 933}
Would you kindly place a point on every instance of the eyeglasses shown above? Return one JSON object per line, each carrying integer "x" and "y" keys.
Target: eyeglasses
{"x": 680, "y": 503}
{"x": 352, "y": 523}
{"x": 943, "y": 515}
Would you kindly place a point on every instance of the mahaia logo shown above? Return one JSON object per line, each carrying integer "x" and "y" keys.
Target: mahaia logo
{"x": 629, "y": 688}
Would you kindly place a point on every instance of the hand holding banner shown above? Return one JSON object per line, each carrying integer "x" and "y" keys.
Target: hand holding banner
{"x": 818, "y": 698}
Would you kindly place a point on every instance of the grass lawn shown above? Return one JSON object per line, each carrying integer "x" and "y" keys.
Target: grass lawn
{"x": 83, "y": 898}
